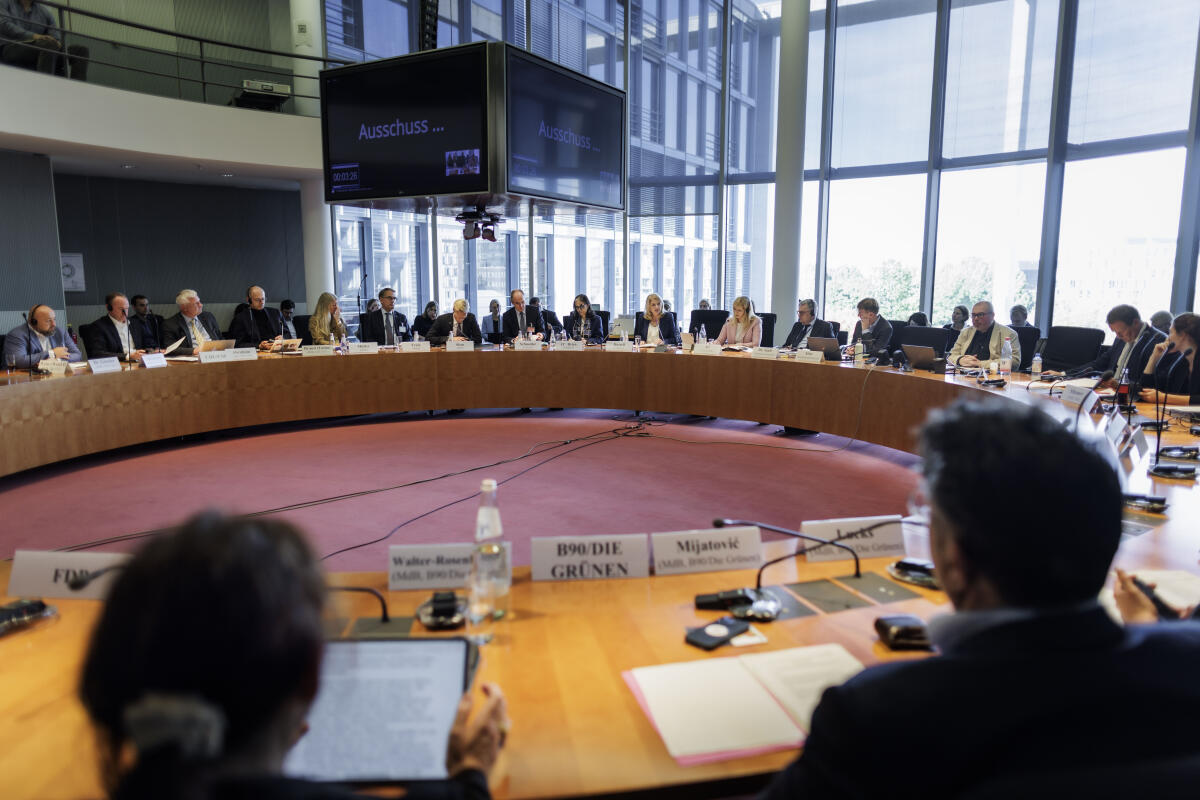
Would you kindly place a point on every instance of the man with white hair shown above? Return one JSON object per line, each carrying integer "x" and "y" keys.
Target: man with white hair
{"x": 192, "y": 324}
{"x": 459, "y": 325}
{"x": 983, "y": 342}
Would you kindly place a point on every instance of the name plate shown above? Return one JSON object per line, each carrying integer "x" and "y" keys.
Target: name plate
{"x": 415, "y": 347}
{"x": 1080, "y": 396}
{"x": 1138, "y": 442}
{"x": 764, "y": 352}
{"x": 243, "y": 354}
{"x": 463, "y": 346}
{"x": 809, "y": 356}
{"x": 364, "y": 348}
{"x": 316, "y": 350}
{"x": 214, "y": 356}
{"x": 1115, "y": 428}
{"x": 38, "y": 573}
{"x": 706, "y": 550}
{"x": 526, "y": 344}
{"x": 577, "y": 558}
{"x": 886, "y": 540}
{"x": 617, "y": 346}
{"x": 434, "y": 566}
{"x": 99, "y": 365}
{"x": 707, "y": 349}
{"x": 55, "y": 366}
{"x": 154, "y": 360}
{"x": 571, "y": 345}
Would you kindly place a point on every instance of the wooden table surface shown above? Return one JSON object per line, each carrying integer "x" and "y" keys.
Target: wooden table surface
{"x": 577, "y": 728}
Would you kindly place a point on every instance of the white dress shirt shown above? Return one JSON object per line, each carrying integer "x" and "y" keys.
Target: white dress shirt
{"x": 123, "y": 334}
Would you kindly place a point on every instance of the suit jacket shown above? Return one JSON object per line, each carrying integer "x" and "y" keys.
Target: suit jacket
{"x": 151, "y": 328}
{"x": 176, "y": 327}
{"x": 443, "y": 328}
{"x": 247, "y": 333}
{"x": 995, "y": 343}
{"x": 752, "y": 336}
{"x": 1143, "y": 346}
{"x": 820, "y": 329}
{"x": 422, "y": 325}
{"x": 1052, "y": 691}
{"x": 882, "y": 333}
{"x": 299, "y": 334}
{"x": 1166, "y": 378}
{"x": 666, "y": 328}
{"x": 105, "y": 342}
{"x": 373, "y": 328}
{"x": 466, "y": 785}
{"x": 23, "y": 343}
{"x": 551, "y": 322}
{"x": 596, "y": 332}
{"x": 512, "y": 330}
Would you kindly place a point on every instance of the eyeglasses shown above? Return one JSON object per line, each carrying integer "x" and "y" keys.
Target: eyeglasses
{"x": 389, "y": 297}
{"x": 579, "y": 306}
{"x": 982, "y": 314}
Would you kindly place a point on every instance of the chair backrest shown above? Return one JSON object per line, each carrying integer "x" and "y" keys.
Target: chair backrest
{"x": 897, "y": 326}
{"x": 1069, "y": 347}
{"x": 301, "y": 323}
{"x": 711, "y": 318}
{"x": 1027, "y": 337}
{"x": 843, "y": 337}
{"x": 925, "y": 337}
{"x": 604, "y": 315}
{"x": 837, "y": 328}
{"x": 768, "y": 328}
{"x": 86, "y": 332}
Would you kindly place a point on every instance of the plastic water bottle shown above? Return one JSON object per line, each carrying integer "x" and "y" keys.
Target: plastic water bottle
{"x": 1036, "y": 369}
{"x": 860, "y": 353}
{"x": 702, "y": 338}
{"x": 491, "y": 574}
{"x": 1006, "y": 355}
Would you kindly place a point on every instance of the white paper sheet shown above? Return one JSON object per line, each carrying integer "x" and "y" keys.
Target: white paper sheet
{"x": 1176, "y": 587}
{"x": 797, "y": 677}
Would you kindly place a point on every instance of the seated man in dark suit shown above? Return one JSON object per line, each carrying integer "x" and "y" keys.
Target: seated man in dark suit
{"x": 459, "y": 325}
{"x": 808, "y": 325}
{"x": 38, "y": 339}
{"x": 1034, "y": 675}
{"x": 386, "y": 325}
{"x": 257, "y": 325}
{"x": 550, "y": 321}
{"x": 112, "y": 336}
{"x": 1131, "y": 349}
{"x": 519, "y": 319}
{"x": 149, "y": 323}
{"x": 192, "y": 324}
{"x": 875, "y": 327}
{"x": 287, "y": 310}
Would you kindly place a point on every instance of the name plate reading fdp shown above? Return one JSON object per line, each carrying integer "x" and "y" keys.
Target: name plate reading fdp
{"x": 1080, "y": 396}
{"x": 577, "y": 558}
{"x": 316, "y": 350}
{"x": 243, "y": 354}
{"x": 99, "y": 365}
{"x": 706, "y": 550}
{"x": 460, "y": 346}
{"x": 434, "y": 566}
{"x": 764, "y": 352}
{"x": 885, "y": 540}
{"x": 617, "y": 346}
{"x": 527, "y": 344}
{"x": 214, "y": 356}
{"x": 707, "y": 349}
{"x": 38, "y": 573}
{"x": 415, "y": 347}
{"x": 809, "y": 356}
{"x": 570, "y": 345}
{"x": 154, "y": 360}
{"x": 364, "y": 348}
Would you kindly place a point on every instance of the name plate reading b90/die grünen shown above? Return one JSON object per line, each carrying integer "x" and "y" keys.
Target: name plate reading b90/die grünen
{"x": 580, "y": 558}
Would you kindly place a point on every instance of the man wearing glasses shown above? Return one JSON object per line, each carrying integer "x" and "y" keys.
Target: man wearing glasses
{"x": 808, "y": 325}
{"x": 385, "y": 326}
{"x": 983, "y": 342}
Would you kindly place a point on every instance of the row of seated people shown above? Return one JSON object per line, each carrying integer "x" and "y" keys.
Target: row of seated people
{"x": 1029, "y": 663}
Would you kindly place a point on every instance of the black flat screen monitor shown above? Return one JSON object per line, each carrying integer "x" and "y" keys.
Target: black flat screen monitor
{"x": 406, "y": 127}
{"x": 565, "y": 134}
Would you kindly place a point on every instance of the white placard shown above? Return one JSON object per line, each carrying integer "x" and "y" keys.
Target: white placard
{"x": 55, "y": 366}
{"x": 708, "y": 550}
{"x": 527, "y": 344}
{"x": 101, "y": 365}
{"x": 1139, "y": 442}
{"x": 460, "y": 346}
{"x": 415, "y": 347}
{"x": 72, "y": 272}
{"x": 707, "y": 349}
{"x": 1080, "y": 396}
{"x": 40, "y": 573}
{"x": 316, "y": 350}
{"x": 154, "y": 360}
{"x": 1115, "y": 429}
{"x": 570, "y": 345}
{"x": 214, "y": 356}
{"x": 364, "y": 348}
{"x": 243, "y": 354}
{"x": 433, "y": 566}
{"x": 887, "y": 540}
{"x": 809, "y": 356}
{"x": 574, "y": 558}
{"x": 617, "y": 346}
{"x": 764, "y": 352}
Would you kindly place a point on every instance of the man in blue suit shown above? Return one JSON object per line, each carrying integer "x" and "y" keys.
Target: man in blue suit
{"x": 1034, "y": 676}
{"x": 39, "y": 338}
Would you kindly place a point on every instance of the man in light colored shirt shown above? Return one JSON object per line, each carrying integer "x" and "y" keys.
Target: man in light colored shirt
{"x": 983, "y": 342}
{"x": 39, "y": 338}
{"x": 112, "y": 336}
{"x": 192, "y": 324}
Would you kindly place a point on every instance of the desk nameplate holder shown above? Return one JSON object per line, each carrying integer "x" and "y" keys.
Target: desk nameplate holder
{"x": 101, "y": 365}
{"x": 433, "y": 566}
{"x": 711, "y": 550}
{"x": 154, "y": 360}
{"x": 570, "y": 345}
{"x": 415, "y": 347}
{"x": 808, "y": 357}
{"x": 1080, "y": 397}
{"x": 532, "y": 345}
{"x": 242, "y": 354}
{"x": 44, "y": 573}
{"x": 213, "y": 356}
{"x": 364, "y": 348}
{"x": 316, "y": 350}
{"x": 764, "y": 352}
{"x": 617, "y": 346}
{"x": 573, "y": 558}
{"x": 887, "y": 540}
{"x": 706, "y": 349}
{"x": 464, "y": 346}
{"x": 57, "y": 367}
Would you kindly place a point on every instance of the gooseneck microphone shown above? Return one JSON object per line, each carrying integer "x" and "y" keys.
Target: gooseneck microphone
{"x": 383, "y": 608}
{"x": 1107, "y": 376}
{"x": 1170, "y": 470}
{"x": 730, "y": 523}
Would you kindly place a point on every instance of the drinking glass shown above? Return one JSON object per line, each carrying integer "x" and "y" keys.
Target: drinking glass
{"x": 585, "y": 330}
{"x": 637, "y": 342}
{"x": 11, "y": 361}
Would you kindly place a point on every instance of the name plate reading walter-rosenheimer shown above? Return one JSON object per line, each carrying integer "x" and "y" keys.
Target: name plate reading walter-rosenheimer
{"x": 886, "y": 540}
{"x": 576, "y": 558}
{"x": 433, "y": 566}
{"x": 706, "y": 550}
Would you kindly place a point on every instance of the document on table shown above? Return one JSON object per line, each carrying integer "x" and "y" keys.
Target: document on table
{"x": 383, "y": 711}
{"x": 171, "y": 348}
{"x": 1176, "y": 587}
{"x": 723, "y": 708}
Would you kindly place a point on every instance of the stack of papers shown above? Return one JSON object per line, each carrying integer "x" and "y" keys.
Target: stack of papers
{"x": 725, "y": 708}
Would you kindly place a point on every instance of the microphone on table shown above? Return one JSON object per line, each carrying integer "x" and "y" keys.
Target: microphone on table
{"x": 78, "y": 583}
{"x": 1107, "y": 376}
{"x": 755, "y": 603}
{"x": 383, "y": 608}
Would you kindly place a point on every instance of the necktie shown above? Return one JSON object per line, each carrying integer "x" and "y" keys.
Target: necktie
{"x": 197, "y": 335}
{"x": 389, "y": 329}
{"x": 521, "y": 322}
{"x": 458, "y": 329}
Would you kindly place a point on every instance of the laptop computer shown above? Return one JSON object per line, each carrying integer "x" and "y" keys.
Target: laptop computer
{"x": 622, "y": 323}
{"x": 828, "y": 346}
{"x": 920, "y": 356}
{"x": 217, "y": 344}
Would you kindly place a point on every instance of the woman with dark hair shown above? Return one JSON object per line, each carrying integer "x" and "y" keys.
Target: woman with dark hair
{"x": 918, "y": 319}
{"x": 423, "y": 323}
{"x": 958, "y": 318}
{"x": 582, "y": 314}
{"x": 1173, "y": 383}
{"x": 207, "y": 658}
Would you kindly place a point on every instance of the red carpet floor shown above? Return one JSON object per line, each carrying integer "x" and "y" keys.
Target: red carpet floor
{"x": 645, "y": 481}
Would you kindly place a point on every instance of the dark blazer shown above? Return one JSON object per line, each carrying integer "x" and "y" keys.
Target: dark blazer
{"x": 23, "y": 343}
{"x": 176, "y": 327}
{"x": 883, "y": 333}
{"x": 299, "y": 334}
{"x": 422, "y": 324}
{"x": 373, "y": 330}
{"x": 1182, "y": 381}
{"x": 511, "y": 329}
{"x": 1071, "y": 690}
{"x": 550, "y": 321}
{"x": 1142, "y": 348}
{"x": 245, "y": 331}
{"x": 443, "y": 327}
{"x": 466, "y": 785}
{"x": 666, "y": 327}
{"x": 820, "y": 328}
{"x": 103, "y": 341}
{"x": 596, "y": 333}
{"x": 151, "y": 328}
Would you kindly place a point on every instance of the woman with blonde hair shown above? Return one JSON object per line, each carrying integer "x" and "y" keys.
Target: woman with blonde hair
{"x": 744, "y": 327}
{"x": 325, "y": 325}
{"x": 654, "y": 325}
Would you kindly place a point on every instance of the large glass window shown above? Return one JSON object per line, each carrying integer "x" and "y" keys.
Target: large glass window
{"x": 1120, "y": 221}
{"x": 750, "y": 243}
{"x": 753, "y": 87}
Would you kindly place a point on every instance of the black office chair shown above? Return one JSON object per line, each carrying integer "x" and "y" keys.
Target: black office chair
{"x": 301, "y": 323}
{"x": 923, "y": 337}
{"x": 1069, "y": 347}
{"x": 768, "y": 328}
{"x": 712, "y": 319}
{"x": 1027, "y": 337}
{"x": 604, "y": 316}
{"x": 86, "y": 331}
{"x": 837, "y": 327}
{"x": 843, "y": 338}
{"x": 897, "y": 326}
